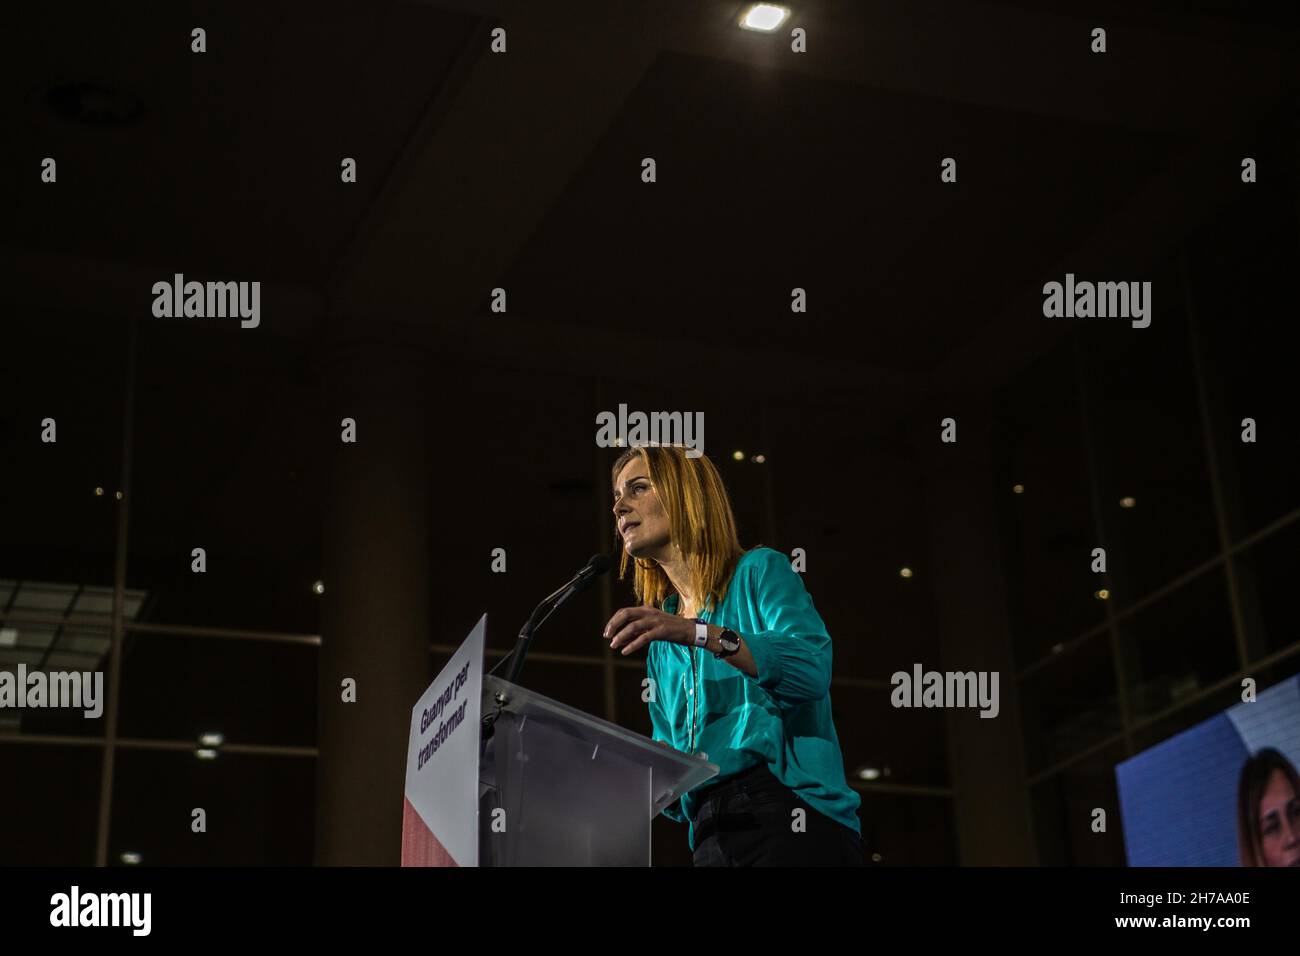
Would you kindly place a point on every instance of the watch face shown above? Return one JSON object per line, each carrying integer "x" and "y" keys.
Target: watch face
{"x": 729, "y": 640}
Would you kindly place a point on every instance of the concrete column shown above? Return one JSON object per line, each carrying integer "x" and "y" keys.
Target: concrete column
{"x": 986, "y": 755}
{"x": 375, "y": 624}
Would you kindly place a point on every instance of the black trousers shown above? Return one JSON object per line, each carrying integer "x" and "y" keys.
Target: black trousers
{"x": 748, "y": 820}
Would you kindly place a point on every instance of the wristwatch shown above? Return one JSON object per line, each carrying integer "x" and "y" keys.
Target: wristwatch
{"x": 730, "y": 642}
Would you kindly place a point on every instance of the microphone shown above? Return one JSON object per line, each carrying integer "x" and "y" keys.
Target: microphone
{"x": 594, "y": 568}
{"x": 597, "y": 565}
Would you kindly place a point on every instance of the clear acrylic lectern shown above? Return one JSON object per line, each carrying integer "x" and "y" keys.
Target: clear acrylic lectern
{"x": 575, "y": 790}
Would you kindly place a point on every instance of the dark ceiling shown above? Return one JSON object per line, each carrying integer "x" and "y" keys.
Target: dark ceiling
{"x": 775, "y": 170}
{"x": 522, "y": 171}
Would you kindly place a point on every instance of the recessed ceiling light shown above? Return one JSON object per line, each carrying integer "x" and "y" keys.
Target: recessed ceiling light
{"x": 205, "y": 753}
{"x": 1018, "y": 489}
{"x": 904, "y": 572}
{"x": 868, "y": 773}
{"x": 211, "y": 740}
{"x": 131, "y": 859}
{"x": 738, "y": 455}
{"x": 318, "y": 587}
{"x": 1128, "y": 501}
{"x": 764, "y": 17}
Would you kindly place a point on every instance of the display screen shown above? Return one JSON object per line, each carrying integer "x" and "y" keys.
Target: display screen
{"x": 1223, "y": 793}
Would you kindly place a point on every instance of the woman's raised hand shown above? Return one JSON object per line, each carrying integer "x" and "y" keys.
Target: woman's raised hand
{"x": 632, "y": 628}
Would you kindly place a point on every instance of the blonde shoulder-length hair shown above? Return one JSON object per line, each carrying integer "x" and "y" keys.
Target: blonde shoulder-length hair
{"x": 700, "y": 523}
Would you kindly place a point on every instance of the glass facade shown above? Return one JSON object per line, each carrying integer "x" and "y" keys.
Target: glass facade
{"x": 1133, "y": 440}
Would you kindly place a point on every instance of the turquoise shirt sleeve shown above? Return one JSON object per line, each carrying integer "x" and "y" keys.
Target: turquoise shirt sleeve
{"x": 793, "y": 652}
{"x": 660, "y": 727}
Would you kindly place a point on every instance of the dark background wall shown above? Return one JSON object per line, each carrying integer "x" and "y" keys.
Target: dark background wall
{"x": 522, "y": 171}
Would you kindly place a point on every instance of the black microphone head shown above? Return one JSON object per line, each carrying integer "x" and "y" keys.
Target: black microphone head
{"x": 598, "y": 565}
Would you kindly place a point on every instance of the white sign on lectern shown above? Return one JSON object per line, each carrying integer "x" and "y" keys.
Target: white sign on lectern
{"x": 440, "y": 817}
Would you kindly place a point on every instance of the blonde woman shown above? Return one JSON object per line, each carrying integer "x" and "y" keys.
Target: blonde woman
{"x": 741, "y": 667}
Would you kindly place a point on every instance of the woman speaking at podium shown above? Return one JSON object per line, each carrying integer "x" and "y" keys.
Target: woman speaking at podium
{"x": 741, "y": 668}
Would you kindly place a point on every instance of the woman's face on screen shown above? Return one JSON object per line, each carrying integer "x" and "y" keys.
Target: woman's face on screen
{"x": 640, "y": 518}
{"x": 1279, "y": 822}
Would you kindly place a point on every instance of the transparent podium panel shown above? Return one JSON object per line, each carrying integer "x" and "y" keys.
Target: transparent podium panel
{"x": 559, "y": 787}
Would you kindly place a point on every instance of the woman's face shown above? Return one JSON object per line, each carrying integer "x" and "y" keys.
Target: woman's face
{"x": 640, "y": 517}
{"x": 1279, "y": 822}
